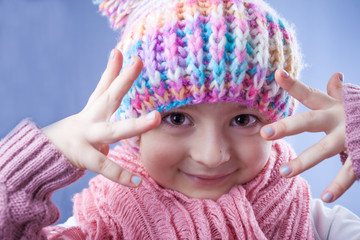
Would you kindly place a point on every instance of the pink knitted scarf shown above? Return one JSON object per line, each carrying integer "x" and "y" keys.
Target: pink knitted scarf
{"x": 268, "y": 207}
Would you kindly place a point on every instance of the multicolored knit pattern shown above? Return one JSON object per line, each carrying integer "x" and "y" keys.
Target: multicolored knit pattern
{"x": 197, "y": 51}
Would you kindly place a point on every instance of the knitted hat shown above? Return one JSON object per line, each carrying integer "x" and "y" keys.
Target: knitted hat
{"x": 197, "y": 51}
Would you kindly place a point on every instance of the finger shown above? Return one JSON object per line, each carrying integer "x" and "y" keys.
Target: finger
{"x": 110, "y": 132}
{"x": 311, "y": 121}
{"x": 342, "y": 182}
{"x": 104, "y": 149}
{"x": 335, "y": 84}
{"x": 110, "y": 100}
{"x": 310, "y": 97}
{"x": 325, "y": 148}
{"x": 111, "y": 72}
{"x": 100, "y": 164}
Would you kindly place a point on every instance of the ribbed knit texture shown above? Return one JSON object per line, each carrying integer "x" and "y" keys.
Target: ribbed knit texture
{"x": 197, "y": 51}
{"x": 25, "y": 207}
{"x": 268, "y": 207}
{"x": 351, "y": 99}
{"x": 31, "y": 168}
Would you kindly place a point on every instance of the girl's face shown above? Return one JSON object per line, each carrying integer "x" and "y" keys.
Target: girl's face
{"x": 204, "y": 150}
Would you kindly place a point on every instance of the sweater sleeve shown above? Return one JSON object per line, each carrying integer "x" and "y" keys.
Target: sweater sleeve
{"x": 351, "y": 99}
{"x": 31, "y": 169}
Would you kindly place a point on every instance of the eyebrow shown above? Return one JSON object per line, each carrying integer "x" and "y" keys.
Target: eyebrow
{"x": 237, "y": 107}
{"x": 254, "y": 111}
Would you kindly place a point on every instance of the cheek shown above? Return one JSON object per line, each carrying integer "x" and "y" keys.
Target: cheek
{"x": 160, "y": 156}
{"x": 254, "y": 155}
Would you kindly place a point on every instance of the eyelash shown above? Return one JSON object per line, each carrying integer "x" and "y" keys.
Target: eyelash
{"x": 167, "y": 119}
{"x": 252, "y": 120}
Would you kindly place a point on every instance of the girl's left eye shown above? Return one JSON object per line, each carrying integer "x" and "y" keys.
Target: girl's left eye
{"x": 177, "y": 119}
{"x": 244, "y": 120}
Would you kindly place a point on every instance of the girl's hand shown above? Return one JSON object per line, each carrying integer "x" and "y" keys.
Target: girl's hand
{"x": 84, "y": 138}
{"x": 327, "y": 116}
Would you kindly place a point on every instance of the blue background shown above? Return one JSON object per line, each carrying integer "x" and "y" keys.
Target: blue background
{"x": 52, "y": 54}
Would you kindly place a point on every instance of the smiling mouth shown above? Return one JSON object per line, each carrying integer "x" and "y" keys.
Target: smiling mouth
{"x": 207, "y": 180}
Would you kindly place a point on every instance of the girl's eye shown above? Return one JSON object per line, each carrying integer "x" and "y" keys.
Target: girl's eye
{"x": 244, "y": 120}
{"x": 177, "y": 119}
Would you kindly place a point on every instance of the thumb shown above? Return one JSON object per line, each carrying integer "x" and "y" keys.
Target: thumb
{"x": 335, "y": 84}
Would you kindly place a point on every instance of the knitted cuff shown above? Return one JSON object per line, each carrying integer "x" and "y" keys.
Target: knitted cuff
{"x": 31, "y": 168}
{"x": 351, "y": 100}
{"x": 29, "y": 160}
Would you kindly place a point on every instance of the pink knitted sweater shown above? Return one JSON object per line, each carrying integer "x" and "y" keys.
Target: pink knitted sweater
{"x": 31, "y": 168}
{"x": 351, "y": 100}
{"x": 267, "y": 207}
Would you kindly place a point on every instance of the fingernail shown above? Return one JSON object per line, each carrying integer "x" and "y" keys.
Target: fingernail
{"x": 269, "y": 131}
{"x": 285, "y": 74}
{"x": 136, "y": 180}
{"x": 341, "y": 77}
{"x": 150, "y": 116}
{"x": 285, "y": 170}
{"x": 327, "y": 197}
{"x": 112, "y": 54}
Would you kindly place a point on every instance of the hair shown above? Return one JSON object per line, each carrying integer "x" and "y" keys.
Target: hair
{"x": 197, "y": 51}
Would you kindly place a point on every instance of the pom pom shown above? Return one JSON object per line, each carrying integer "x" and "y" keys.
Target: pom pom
{"x": 117, "y": 10}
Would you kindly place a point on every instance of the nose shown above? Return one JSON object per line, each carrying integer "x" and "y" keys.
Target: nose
{"x": 211, "y": 148}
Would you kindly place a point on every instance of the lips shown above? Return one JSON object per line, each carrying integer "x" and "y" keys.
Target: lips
{"x": 207, "y": 180}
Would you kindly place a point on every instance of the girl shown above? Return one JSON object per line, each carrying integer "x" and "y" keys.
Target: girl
{"x": 199, "y": 160}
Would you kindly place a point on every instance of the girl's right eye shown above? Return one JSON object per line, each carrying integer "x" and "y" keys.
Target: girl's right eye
{"x": 176, "y": 119}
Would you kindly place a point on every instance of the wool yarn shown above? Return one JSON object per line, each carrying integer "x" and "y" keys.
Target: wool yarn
{"x": 197, "y": 51}
{"x": 267, "y": 207}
